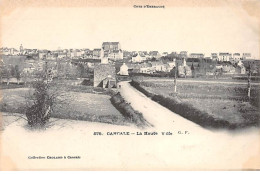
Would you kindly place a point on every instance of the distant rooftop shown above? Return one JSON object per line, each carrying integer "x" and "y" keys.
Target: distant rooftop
{"x": 110, "y": 43}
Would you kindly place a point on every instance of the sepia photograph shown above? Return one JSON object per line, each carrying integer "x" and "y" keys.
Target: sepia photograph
{"x": 131, "y": 85}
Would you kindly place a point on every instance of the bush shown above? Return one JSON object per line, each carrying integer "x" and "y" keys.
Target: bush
{"x": 39, "y": 112}
{"x": 128, "y": 112}
{"x": 87, "y": 82}
{"x": 186, "y": 110}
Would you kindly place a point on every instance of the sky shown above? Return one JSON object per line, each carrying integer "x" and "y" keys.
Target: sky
{"x": 196, "y": 29}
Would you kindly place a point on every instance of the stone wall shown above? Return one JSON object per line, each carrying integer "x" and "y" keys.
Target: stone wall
{"x": 101, "y": 72}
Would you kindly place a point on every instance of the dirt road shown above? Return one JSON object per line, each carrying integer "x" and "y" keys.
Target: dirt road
{"x": 154, "y": 113}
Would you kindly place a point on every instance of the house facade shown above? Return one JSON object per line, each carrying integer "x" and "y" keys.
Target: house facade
{"x": 154, "y": 54}
{"x": 246, "y": 56}
{"x": 138, "y": 58}
{"x": 96, "y": 53}
{"x": 224, "y": 57}
{"x": 112, "y": 50}
{"x": 236, "y": 57}
{"x": 183, "y": 54}
{"x": 196, "y": 55}
{"x": 214, "y": 56}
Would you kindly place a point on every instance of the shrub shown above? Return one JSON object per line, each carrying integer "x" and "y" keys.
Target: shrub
{"x": 128, "y": 112}
{"x": 39, "y": 112}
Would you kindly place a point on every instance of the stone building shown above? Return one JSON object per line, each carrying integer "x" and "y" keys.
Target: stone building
{"x": 105, "y": 76}
{"x": 96, "y": 53}
{"x": 112, "y": 50}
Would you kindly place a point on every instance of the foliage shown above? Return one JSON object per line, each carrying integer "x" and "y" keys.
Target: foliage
{"x": 187, "y": 110}
{"x": 39, "y": 112}
{"x": 128, "y": 112}
{"x": 172, "y": 72}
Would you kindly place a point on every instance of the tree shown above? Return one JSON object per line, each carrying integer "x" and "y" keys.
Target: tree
{"x": 6, "y": 73}
{"x": 249, "y": 82}
{"x": 185, "y": 72}
{"x": 41, "y": 103}
{"x": 81, "y": 70}
{"x": 174, "y": 72}
{"x": 39, "y": 112}
{"x": 17, "y": 73}
{"x": 12, "y": 69}
{"x": 1, "y": 73}
{"x": 153, "y": 59}
{"x": 193, "y": 70}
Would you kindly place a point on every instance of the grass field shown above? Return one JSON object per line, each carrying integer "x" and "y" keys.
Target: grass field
{"x": 79, "y": 105}
{"x": 224, "y": 101}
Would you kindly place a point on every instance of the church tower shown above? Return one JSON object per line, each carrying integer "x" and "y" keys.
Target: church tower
{"x": 21, "y": 48}
{"x": 184, "y": 62}
{"x": 104, "y": 60}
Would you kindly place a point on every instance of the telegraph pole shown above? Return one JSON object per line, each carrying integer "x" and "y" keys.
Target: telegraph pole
{"x": 175, "y": 78}
{"x": 249, "y": 82}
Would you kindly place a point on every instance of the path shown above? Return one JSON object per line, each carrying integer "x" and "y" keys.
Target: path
{"x": 154, "y": 113}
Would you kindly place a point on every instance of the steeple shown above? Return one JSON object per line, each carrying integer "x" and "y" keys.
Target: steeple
{"x": 184, "y": 62}
{"x": 21, "y": 48}
{"x": 104, "y": 60}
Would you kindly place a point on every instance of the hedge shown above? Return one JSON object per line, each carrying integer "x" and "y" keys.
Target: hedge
{"x": 128, "y": 112}
{"x": 186, "y": 110}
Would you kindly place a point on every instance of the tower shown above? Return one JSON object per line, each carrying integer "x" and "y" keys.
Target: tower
{"x": 184, "y": 62}
{"x": 21, "y": 48}
{"x": 104, "y": 60}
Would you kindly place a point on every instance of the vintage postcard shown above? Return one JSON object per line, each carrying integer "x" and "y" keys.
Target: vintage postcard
{"x": 129, "y": 85}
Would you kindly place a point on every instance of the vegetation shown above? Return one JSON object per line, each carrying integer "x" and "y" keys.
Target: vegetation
{"x": 206, "y": 105}
{"x": 128, "y": 112}
{"x": 40, "y": 111}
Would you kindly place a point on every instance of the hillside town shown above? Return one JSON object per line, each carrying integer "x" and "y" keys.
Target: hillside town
{"x": 101, "y": 67}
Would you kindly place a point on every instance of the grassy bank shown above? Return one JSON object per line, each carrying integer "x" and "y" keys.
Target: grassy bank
{"x": 198, "y": 109}
{"x": 79, "y": 104}
{"x": 128, "y": 112}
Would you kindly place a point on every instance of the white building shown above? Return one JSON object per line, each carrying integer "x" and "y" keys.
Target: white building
{"x": 115, "y": 55}
{"x": 214, "y": 56}
{"x": 246, "y": 56}
{"x": 78, "y": 53}
{"x": 172, "y": 64}
{"x": 224, "y": 57}
{"x": 196, "y": 55}
{"x": 123, "y": 70}
{"x": 236, "y": 57}
{"x": 138, "y": 58}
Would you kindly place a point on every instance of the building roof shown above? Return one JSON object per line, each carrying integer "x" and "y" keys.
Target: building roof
{"x": 110, "y": 43}
{"x": 157, "y": 63}
{"x": 135, "y": 55}
{"x": 153, "y": 52}
{"x": 86, "y": 60}
{"x": 116, "y": 51}
{"x": 224, "y": 54}
{"x": 145, "y": 65}
{"x": 197, "y": 54}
